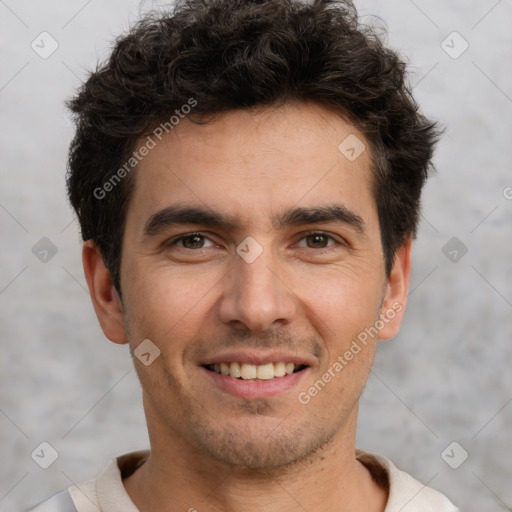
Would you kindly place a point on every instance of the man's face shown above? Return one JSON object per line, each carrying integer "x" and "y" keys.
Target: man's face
{"x": 284, "y": 265}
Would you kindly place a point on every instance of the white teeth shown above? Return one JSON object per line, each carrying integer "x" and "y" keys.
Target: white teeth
{"x": 248, "y": 371}
{"x": 265, "y": 371}
{"x": 279, "y": 369}
{"x": 234, "y": 370}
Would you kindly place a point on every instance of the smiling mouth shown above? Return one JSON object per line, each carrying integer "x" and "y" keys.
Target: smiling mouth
{"x": 246, "y": 371}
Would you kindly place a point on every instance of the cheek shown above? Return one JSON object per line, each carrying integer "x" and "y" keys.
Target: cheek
{"x": 344, "y": 312}
{"x": 168, "y": 306}
{"x": 343, "y": 305}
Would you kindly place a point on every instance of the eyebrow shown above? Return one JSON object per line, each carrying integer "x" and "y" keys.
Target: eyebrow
{"x": 328, "y": 213}
{"x": 180, "y": 215}
{"x": 177, "y": 215}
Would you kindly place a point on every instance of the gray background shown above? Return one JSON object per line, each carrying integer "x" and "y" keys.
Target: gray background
{"x": 445, "y": 378}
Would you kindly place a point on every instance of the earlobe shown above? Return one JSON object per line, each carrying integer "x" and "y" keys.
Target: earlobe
{"x": 397, "y": 288}
{"x": 104, "y": 296}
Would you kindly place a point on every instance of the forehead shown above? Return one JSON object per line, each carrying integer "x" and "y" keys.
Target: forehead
{"x": 249, "y": 162}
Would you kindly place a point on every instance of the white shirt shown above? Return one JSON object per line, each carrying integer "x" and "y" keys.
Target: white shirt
{"x": 106, "y": 493}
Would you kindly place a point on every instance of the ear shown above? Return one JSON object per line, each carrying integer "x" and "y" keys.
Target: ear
{"x": 397, "y": 288}
{"x": 105, "y": 299}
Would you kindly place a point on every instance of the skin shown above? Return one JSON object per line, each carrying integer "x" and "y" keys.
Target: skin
{"x": 304, "y": 295}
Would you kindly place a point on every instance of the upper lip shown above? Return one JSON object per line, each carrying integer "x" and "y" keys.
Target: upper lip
{"x": 258, "y": 357}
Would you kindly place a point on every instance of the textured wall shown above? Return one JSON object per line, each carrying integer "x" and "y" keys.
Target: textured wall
{"x": 446, "y": 378}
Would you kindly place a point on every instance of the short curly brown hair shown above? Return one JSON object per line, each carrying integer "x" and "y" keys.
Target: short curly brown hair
{"x": 238, "y": 54}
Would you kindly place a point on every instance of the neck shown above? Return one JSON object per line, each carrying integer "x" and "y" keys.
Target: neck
{"x": 178, "y": 477}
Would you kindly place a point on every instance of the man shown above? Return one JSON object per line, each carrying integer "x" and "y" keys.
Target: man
{"x": 247, "y": 176}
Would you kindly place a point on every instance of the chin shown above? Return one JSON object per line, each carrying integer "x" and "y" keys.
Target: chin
{"x": 260, "y": 445}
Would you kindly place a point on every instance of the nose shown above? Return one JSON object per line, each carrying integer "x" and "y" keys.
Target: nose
{"x": 255, "y": 296}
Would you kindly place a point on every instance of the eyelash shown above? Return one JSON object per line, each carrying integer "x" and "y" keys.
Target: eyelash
{"x": 326, "y": 235}
{"x": 174, "y": 241}
{"x": 305, "y": 235}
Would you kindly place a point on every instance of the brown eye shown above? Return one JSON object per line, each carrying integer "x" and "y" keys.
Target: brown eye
{"x": 317, "y": 241}
{"x": 192, "y": 241}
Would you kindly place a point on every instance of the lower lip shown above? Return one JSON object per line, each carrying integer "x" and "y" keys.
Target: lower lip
{"x": 254, "y": 389}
